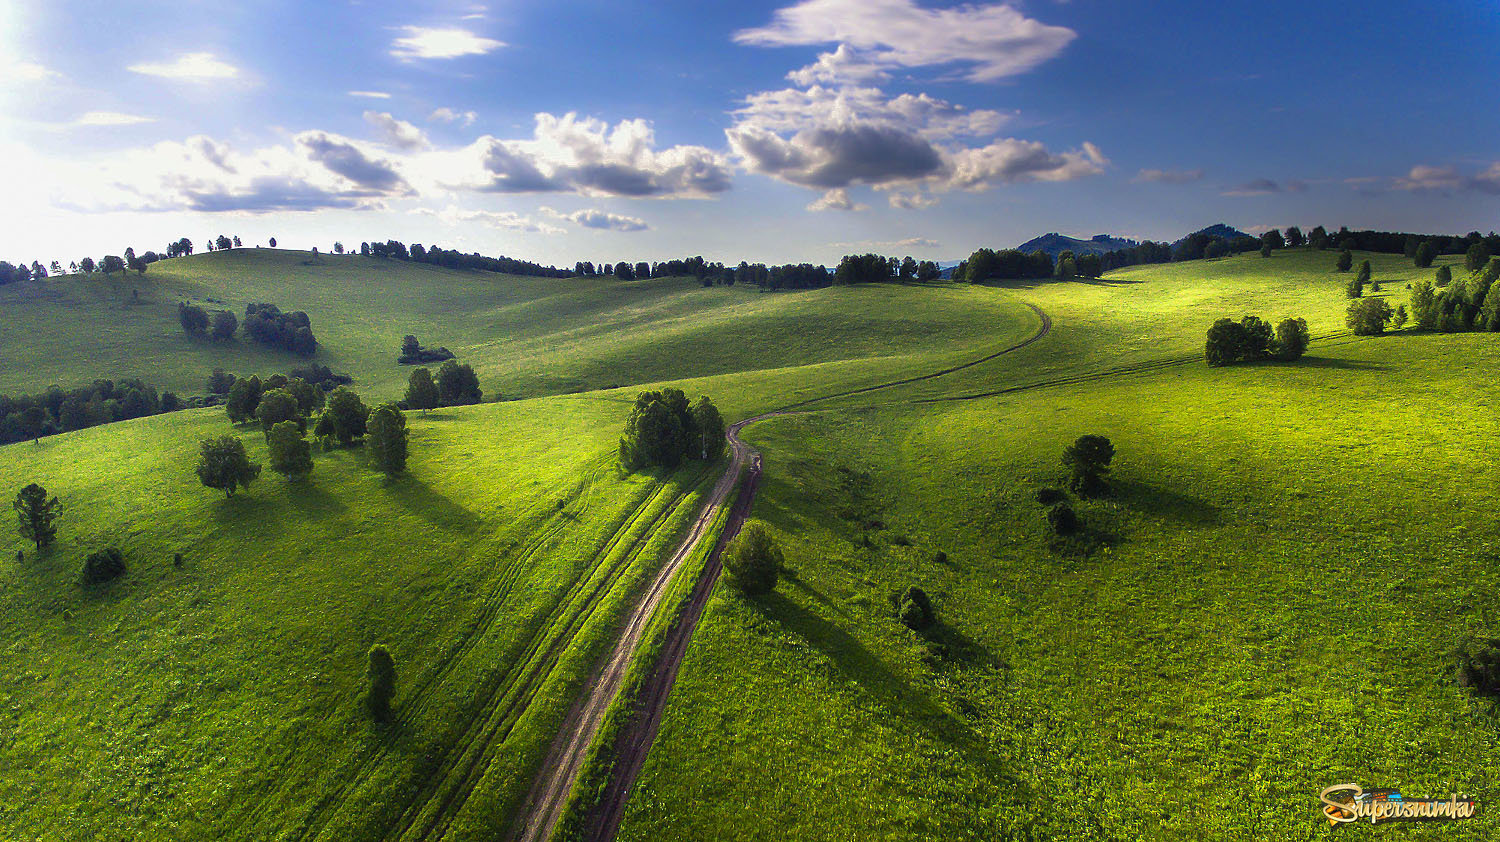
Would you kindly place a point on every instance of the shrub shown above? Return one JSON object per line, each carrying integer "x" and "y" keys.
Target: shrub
{"x": 939, "y": 557}
{"x": 1426, "y": 253}
{"x": 412, "y": 353}
{"x": 1399, "y": 321}
{"x": 192, "y": 317}
{"x": 290, "y": 454}
{"x": 1226, "y": 343}
{"x": 1346, "y": 260}
{"x": 1478, "y": 666}
{"x": 1355, "y": 288}
{"x": 224, "y": 325}
{"x": 103, "y": 565}
{"x": 380, "y": 670}
{"x": 1368, "y": 317}
{"x": 1444, "y": 277}
{"x": 1476, "y": 257}
{"x": 220, "y": 382}
{"x": 388, "y": 439}
{"x": 222, "y": 464}
{"x": 266, "y": 324}
{"x": 1363, "y": 276}
{"x": 916, "y": 609}
{"x": 1062, "y": 519}
{"x": 753, "y": 560}
{"x": 35, "y": 513}
{"x": 1087, "y": 460}
{"x": 1048, "y": 496}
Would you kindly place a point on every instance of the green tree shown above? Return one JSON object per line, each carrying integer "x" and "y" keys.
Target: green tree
{"x": 1346, "y": 260}
{"x": 1426, "y": 253}
{"x": 35, "y": 514}
{"x": 710, "y": 424}
{"x": 457, "y": 384}
{"x": 192, "y": 318}
{"x": 421, "y": 391}
{"x": 1443, "y": 277}
{"x": 222, "y": 464}
{"x": 346, "y": 416}
{"x": 1369, "y": 316}
{"x": 1355, "y": 288}
{"x": 224, "y": 325}
{"x": 279, "y": 405}
{"x": 244, "y": 398}
{"x": 1294, "y": 237}
{"x": 380, "y": 671}
{"x": 1291, "y": 341}
{"x": 1363, "y": 276}
{"x": 1226, "y": 343}
{"x": 1425, "y": 307}
{"x": 1399, "y": 320}
{"x": 1087, "y": 461}
{"x": 291, "y": 455}
{"x": 753, "y": 560}
{"x": 1477, "y": 255}
{"x": 388, "y": 439}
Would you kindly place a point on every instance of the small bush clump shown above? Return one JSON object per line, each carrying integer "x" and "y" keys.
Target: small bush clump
{"x": 103, "y": 565}
{"x": 1048, "y": 496}
{"x": 1062, "y": 519}
{"x": 916, "y": 609}
{"x": 1478, "y": 666}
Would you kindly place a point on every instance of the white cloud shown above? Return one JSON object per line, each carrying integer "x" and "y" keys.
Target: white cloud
{"x": 995, "y": 41}
{"x": 110, "y": 118}
{"x": 1448, "y": 179}
{"x": 1168, "y": 176}
{"x": 839, "y": 67}
{"x": 505, "y": 220}
{"x": 601, "y": 220}
{"x": 448, "y": 115}
{"x": 1008, "y": 161}
{"x": 585, "y": 156}
{"x": 26, "y": 71}
{"x": 912, "y": 201}
{"x": 398, "y": 133}
{"x": 422, "y": 42}
{"x": 189, "y": 67}
{"x": 371, "y": 94}
{"x": 837, "y": 199}
{"x": 908, "y": 243}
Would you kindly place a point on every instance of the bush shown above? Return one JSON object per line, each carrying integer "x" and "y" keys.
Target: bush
{"x": 1292, "y": 338}
{"x": 939, "y": 557}
{"x": 1062, "y": 519}
{"x": 1369, "y": 316}
{"x": 1363, "y": 276}
{"x": 224, "y": 325}
{"x": 1087, "y": 460}
{"x": 1355, "y": 288}
{"x": 1400, "y": 319}
{"x": 192, "y": 317}
{"x": 103, "y": 565}
{"x": 1426, "y": 253}
{"x": 916, "y": 609}
{"x": 388, "y": 439}
{"x": 222, "y": 464}
{"x": 753, "y": 560}
{"x": 1478, "y": 666}
{"x": 1048, "y": 496}
{"x": 1444, "y": 277}
{"x": 220, "y": 382}
{"x": 266, "y": 324}
{"x": 1346, "y": 260}
{"x": 412, "y": 353}
{"x": 380, "y": 671}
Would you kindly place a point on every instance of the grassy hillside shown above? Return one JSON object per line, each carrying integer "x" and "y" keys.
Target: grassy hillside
{"x": 1290, "y": 553}
{"x": 524, "y": 336}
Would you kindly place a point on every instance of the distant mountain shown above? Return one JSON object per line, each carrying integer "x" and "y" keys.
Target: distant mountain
{"x": 1054, "y": 244}
{"x": 1220, "y": 230}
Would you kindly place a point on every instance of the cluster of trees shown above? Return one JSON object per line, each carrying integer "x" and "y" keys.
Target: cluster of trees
{"x": 29, "y": 417}
{"x": 453, "y": 259}
{"x": 1251, "y": 338}
{"x": 266, "y": 324}
{"x": 412, "y": 353}
{"x": 455, "y": 385}
{"x": 1458, "y": 305}
{"x": 663, "y": 430}
{"x": 219, "y": 325}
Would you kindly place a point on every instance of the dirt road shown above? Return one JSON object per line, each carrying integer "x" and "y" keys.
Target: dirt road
{"x": 549, "y": 794}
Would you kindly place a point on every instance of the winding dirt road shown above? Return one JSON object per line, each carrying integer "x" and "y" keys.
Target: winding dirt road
{"x": 559, "y": 773}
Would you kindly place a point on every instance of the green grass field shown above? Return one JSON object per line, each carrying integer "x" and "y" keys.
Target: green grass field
{"x": 1291, "y": 550}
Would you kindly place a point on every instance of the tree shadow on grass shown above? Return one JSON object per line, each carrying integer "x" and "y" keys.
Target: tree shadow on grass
{"x": 419, "y": 498}
{"x": 1164, "y": 502}
{"x": 1347, "y": 365}
{"x": 246, "y": 510}
{"x": 312, "y": 499}
{"x": 884, "y": 685}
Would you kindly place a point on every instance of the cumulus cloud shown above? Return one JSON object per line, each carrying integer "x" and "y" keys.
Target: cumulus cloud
{"x": 449, "y": 115}
{"x": 421, "y": 42}
{"x": 398, "y": 133}
{"x": 342, "y": 157}
{"x": 505, "y": 220}
{"x": 994, "y": 41}
{"x": 110, "y": 118}
{"x": 912, "y": 201}
{"x": 837, "y": 199}
{"x": 371, "y": 94}
{"x": 601, "y": 220}
{"x": 1009, "y": 161}
{"x": 587, "y": 156}
{"x": 1449, "y": 179}
{"x": 1168, "y": 176}
{"x": 189, "y": 67}
{"x": 842, "y": 66}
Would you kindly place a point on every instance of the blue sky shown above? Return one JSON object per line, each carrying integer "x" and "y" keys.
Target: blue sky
{"x": 796, "y": 131}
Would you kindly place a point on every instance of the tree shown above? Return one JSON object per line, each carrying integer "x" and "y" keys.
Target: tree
{"x": 1087, "y": 461}
{"x": 192, "y": 318}
{"x": 220, "y": 382}
{"x": 661, "y": 430}
{"x": 1273, "y": 239}
{"x": 224, "y": 325}
{"x": 1226, "y": 343}
{"x": 35, "y": 514}
{"x": 1346, "y": 260}
{"x": 1476, "y": 257}
{"x": 388, "y": 439}
{"x": 1426, "y": 253}
{"x": 244, "y": 398}
{"x": 1067, "y": 269}
{"x": 1318, "y": 238}
{"x": 1363, "y": 276}
{"x": 710, "y": 425}
{"x": 273, "y": 242}
{"x": 111, "y": 264}
{"x": 1291, "y": 341}
{"x": 753, "y": 560}
{"x": 1400, "y": 319}
{"x": 1425, "y": 307}
{"x": 87, "y": 265}
{"x": 346, "y": 416}
{"x": 338, "y": 248}
{"x": 421, "y": 391}
{"x": 1444, "y": 276}
{"x": 1294, "y": 237}
{"x": 1369, "y": 317}
{"x": 278, "y": 406}
{"x": 457, "y": 384}
{"x": 1265, "y": 250}
{"x": 33, "y": 420}
{"x": 380, "y": 671}
{"x": 291, "y": 455}
{"x": 222, "y": 464}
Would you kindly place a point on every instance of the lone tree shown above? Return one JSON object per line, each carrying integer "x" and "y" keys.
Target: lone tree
{"x": 381, "y": 672}
{"x": 291, "y": 455}
{"x": 387, "y": 439}
{"x": 1087, "y": 460}
{"x": 222, "y": 464}
{"x": 421, "y": 391}
{"x": 344, "y": 418}
{"x": 1426, "y": 253}
{"x": 1346, "y": 260}
{"x": 753, "y": 560}
{"x": 35, "y": 513}
{"x": 1368, "y": 317}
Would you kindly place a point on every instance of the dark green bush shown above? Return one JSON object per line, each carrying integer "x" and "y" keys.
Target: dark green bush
{"x": 103, "y": 565}
{"x": 1048, "y": 496}
{"x": 1478, "y": 666}
{"x": 1062, "y": 519}
{"x": 916, "y": 609}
